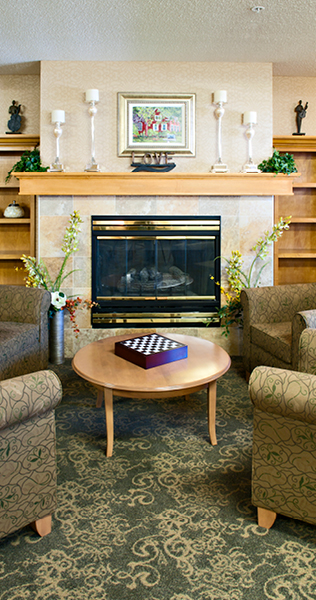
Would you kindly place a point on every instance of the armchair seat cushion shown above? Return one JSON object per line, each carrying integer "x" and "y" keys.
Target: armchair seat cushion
{"x": 275, "y": 338}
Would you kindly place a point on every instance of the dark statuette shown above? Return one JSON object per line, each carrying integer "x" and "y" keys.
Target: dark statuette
{"x": 14, "y": 122}
{"x": 300, "y": 114}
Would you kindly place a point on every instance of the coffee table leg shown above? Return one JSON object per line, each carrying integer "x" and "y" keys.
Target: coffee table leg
{"x": 99, "y": 398}
{"x": 108, "y": 401}
{"x": 212, "y": 412}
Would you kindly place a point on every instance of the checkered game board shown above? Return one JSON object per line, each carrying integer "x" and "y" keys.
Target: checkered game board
{"x": 151, "y": 344}
{"x": 151, "y": 350}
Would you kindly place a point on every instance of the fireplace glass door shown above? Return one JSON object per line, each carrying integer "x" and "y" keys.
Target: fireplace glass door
{"x": 154, "y": 270}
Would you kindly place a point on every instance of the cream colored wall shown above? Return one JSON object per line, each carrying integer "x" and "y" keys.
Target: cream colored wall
{"x": 25, "y": 89}
{"x": 248, "y": 85}
{"x": 287, "y": 91}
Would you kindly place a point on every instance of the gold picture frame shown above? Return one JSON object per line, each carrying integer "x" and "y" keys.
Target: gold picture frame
{"x": 156, "y": 123}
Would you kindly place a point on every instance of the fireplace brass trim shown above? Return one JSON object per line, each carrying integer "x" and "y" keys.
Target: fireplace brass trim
{"x": 142, "y": 224}
{"x": 155, "y": 237}
{"x": 215, "y": 226}
{"x": 132, "y": 298}
{"x": 151, "y": 317}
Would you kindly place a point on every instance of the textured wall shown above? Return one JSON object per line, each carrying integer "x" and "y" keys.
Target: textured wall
{"x": 25, "y": 90}
{"x": 287, "y": 91}
{"x": 248, "y": 85}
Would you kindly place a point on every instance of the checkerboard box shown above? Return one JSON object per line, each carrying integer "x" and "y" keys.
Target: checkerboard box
{"x": 151, "y": 350}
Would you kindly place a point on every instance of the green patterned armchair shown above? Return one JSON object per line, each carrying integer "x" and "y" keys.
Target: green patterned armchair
{"x": 284, "y": 438}
{"x": 274, "y": 318}
{"x": 28, "y": 479}
{"x": 23, "y": 330}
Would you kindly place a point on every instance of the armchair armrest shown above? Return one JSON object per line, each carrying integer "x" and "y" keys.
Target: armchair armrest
{"x": 282, "y": 392}
{"x": 301, "y": 321}
{"x": 23, "y": 304}
{"x": 27, "y": 396}
{"x": 307, "y": 351}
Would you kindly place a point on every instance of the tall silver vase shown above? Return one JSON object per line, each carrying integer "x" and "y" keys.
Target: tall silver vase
{"x": 56, "y": 338}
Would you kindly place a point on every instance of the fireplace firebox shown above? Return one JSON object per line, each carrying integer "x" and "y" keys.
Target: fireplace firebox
{"x": 154, "y": 271}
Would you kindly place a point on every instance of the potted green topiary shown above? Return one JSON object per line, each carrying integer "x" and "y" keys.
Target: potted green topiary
{"x": 29, "y": 161}
{"x": 279, "y": 163}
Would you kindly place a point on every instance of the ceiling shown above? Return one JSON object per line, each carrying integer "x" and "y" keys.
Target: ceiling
{"x": 284, "y": 33}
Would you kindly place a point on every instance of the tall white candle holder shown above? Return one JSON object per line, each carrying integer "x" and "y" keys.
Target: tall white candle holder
{"x": 250, "y": 120}
{"x": 220, "y": 97}
{"x": 58, "y": 117}
{"x": 92, "y": 96}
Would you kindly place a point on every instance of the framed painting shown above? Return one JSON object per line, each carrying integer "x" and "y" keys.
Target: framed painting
{"x": 156, "y": 123}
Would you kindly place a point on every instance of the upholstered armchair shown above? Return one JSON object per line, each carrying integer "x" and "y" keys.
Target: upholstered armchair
{"x": 23, "y": 330}
{"x": 28, "y": 480}
{"x": 284, "y": 438}
{"x": 274, "y": 318}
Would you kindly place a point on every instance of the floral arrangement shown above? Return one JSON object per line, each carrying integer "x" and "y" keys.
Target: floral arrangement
{"x": 231, "y": 312}
{"x": 38, "y": 275}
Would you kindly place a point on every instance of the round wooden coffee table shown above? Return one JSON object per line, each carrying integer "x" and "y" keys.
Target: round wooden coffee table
{"x": 112, "y": 375}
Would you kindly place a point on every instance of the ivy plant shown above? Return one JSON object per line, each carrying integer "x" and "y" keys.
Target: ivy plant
{"x": 29, "y": 161}
{"x": 279, "y": 163}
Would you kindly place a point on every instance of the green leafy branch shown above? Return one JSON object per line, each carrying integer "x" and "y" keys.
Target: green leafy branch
{"x": 38, "y": 275}
{"x": 237, "y": 278}
{"x": 29, "y": 161}
{"x": 279, "y": 163}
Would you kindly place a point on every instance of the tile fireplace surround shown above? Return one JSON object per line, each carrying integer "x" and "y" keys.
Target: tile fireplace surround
{"x": 245, "y": 216}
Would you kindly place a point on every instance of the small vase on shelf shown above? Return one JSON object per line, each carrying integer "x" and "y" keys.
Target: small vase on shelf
{"x": 14, "y": 211}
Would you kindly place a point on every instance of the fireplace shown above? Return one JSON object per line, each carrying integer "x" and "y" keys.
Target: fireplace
{"x": 155, "y": 271}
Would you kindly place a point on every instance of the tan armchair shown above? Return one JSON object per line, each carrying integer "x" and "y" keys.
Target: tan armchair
{"x": 28, "y": 479}
{"x": 274, "y": 318}
{"x": 23, "y": 330}
{"x": 284, "y": 438}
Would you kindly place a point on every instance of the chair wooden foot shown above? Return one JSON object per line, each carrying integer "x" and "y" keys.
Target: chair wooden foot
{"x": 43, "y": 526}
{"x": 266, "y": 517}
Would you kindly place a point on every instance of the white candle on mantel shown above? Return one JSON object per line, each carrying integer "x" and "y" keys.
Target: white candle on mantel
{"x": 250, "y": 117}
{"x": 58, "y": 116}
{"x": 220, "y": 96}
{"x": 92, "y": 95}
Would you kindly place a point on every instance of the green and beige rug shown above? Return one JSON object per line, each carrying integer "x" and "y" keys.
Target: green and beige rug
{"x": 168, "y": 517}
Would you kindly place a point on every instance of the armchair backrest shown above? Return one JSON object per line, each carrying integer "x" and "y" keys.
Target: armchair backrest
{"x": 22, "y": 304}
{"x": 277, "y": 304}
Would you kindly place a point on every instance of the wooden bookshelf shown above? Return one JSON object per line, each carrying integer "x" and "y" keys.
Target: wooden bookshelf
{"x": 17, "y": 236}
{"x": 295, "y": 252}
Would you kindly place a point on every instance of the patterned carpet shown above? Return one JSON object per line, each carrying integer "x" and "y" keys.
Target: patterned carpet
{"x": 168, "y": 517}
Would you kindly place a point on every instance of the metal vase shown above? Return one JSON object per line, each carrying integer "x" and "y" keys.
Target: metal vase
{"x": 56, "y": 338}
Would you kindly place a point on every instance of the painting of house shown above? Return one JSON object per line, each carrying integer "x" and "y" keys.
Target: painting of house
{"x": 160, "y": 123}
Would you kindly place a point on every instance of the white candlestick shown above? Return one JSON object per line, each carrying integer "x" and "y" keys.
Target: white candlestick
{"x": 250, "y": 117}
{"x": 220, "y": 96}
{"x": 250, "y": 120}
{"x": 58, "y": 116}
{"x": 92, "y": 95}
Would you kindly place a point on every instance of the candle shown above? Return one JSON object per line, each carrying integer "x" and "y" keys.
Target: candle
{"x": 250, "y": 117}
{"x": 220, "y": 96}
{"x": 58, "y": 116}
{"x": 92, "y": 95}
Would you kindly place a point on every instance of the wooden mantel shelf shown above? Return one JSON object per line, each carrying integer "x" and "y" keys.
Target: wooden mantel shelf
{"x": 154, "y": 184}
{"x": 295, "y": 143}
{"x": 18, "y": 142}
